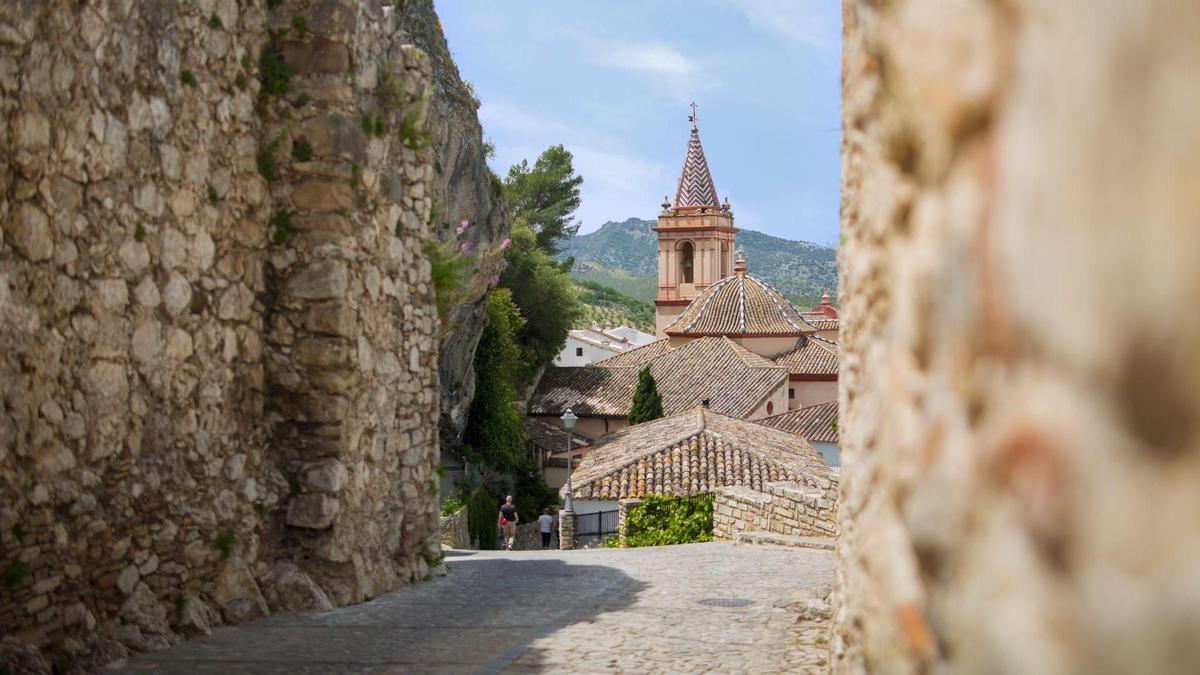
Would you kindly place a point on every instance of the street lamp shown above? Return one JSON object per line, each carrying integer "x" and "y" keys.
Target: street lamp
{"x": 568, "y": 421}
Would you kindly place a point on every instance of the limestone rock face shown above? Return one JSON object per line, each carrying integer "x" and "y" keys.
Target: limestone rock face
{"x": 463, "y": 188}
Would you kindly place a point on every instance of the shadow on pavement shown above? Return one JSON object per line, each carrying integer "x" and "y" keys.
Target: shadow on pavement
{"x": 480, "y": 618}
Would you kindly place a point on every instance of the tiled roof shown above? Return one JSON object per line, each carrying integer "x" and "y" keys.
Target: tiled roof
{"x": 690, "y": 453}
{"x": 816, "y": 423}
{"x": 740, "y": 305}
{"x": 819, "y": 320}
{"x": 637, "y": 356}
{"x": 551, "y": 437}
{"x": 695, "y": 181}
{"x": 733, "y": 379}
{"x": 817, "y": 356}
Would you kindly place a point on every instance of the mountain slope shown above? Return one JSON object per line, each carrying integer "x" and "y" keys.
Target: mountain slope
{"x": 623, "y": 256}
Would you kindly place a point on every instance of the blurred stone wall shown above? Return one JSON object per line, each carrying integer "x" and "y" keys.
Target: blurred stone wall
{"x": 216, "y": 320}
{"x": 1020, "y": 397}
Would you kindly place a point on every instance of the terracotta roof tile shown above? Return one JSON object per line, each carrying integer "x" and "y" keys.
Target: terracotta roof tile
{"x": 816, "y": 423}
{"x": 733, "y": 379}
{"x": 638, "y": 356}
{"x": 817, "y": 356}
{"x": 551, "y": 437}
{"x": 694, "y": 452}
{"x": 819, "y": 320}
{"x": 740, "y": 305}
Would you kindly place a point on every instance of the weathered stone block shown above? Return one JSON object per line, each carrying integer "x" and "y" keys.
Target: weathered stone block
{"x": 312, "y": 511}
{"x": 323, "y": 195}
{"x": 322, "y": 280}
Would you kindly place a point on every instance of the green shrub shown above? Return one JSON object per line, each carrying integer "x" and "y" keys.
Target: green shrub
{"x": 188, "y": 78}
{"x": 661, "y": 520}
{"x": 302, "y": 150}
{"x": 214, "y": 21}
{"x": 14, "y": 574}
{"x": 452, "y": 505}
{"x": 267, "y": 166}
{"x": 481, "y": 517}
{"x": 224, "y": 543}
{"x": 281, "y": 222}
{"x": 273, "y": 71}
{"x": 139, "y": 233}
{"x": 449, "y": 272}
{"x": 213, "y": 197}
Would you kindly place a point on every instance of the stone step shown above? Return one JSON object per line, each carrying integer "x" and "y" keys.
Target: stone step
{"x": 791, "y": 541}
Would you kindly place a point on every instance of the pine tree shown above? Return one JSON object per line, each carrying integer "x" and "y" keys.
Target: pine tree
{"x": 647, "y": 402}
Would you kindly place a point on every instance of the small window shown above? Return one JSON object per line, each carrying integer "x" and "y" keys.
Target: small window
{"x": 770, "y": 407}
{"x": 791, "y": 393}
{"x": 579, "y": 351}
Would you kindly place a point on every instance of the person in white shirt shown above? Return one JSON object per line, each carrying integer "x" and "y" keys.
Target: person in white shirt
{"x": 545, "y": 521}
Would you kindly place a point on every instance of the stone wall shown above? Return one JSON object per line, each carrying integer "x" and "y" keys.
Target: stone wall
{"x": 216, "y": 321}
{"x": 1019, "y": 424}
{"x": 786, "y": 508}
{"x": 455, "y": 533}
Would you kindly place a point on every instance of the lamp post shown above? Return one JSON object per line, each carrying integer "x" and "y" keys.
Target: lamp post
{"x": 568, "y": 422}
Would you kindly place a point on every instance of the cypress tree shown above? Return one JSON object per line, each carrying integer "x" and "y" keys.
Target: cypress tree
{"x": 647, "y": 402}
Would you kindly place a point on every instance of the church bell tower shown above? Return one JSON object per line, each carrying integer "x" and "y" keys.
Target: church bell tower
{"x": 695, "y": 237}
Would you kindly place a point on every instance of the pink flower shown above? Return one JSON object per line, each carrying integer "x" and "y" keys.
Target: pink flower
{"x": 439, "y": 322}
{"x": 504, "y": 243}
{"x": 494, "y": 279}
{"x": 462, "y": 227}
{"x": 466, "y": 247}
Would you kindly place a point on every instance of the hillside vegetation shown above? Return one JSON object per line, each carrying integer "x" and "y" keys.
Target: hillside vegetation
{"x": 604, "y": 306}
{"x": 623, "y": 256}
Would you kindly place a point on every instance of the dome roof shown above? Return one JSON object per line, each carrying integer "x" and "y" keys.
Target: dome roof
{"x": 740, "y": 305}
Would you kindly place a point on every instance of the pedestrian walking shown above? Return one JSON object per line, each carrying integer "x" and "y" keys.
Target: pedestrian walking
{"x": 508, "y": 522}
{"x": 545, "y": 524}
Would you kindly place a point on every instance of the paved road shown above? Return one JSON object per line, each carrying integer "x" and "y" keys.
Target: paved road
{"x": 623, "y": 610}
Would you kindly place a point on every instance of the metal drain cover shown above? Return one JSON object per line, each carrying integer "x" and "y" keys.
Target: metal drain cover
{"x": 726, "y": 602}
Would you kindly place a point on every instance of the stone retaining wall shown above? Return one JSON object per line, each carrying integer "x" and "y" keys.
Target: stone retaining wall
{"x": 455, "y": 533}
{"x": 217, "y": 343}
{"x": 1020, "y": 264}
{"x": 786, "y": 508}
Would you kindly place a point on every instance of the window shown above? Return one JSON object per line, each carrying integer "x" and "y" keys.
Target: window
{"x": 791, "y": 393}
{"x": 770, "y": 407}
{"x": 579, "y": 351}
{"x": 685, "y": 262}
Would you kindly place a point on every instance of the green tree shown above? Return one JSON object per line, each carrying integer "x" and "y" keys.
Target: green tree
{"x": 546, "y": 298}
{"x": 545, "y": 197}
{"x": 494, "y": 423}
{"x": 494, "y": 437}
{"x": 647, "y": 402}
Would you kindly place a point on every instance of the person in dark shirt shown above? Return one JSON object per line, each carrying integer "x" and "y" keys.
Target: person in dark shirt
{"x": 508, "y": 522}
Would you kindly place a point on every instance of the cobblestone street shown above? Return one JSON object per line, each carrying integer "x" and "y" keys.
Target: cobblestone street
{"x": 615, "y": 610}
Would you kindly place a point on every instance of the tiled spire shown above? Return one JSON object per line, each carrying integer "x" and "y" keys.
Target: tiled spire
{"x": 695, "y": 183}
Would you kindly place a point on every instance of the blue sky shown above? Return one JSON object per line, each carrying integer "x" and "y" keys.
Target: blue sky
{"x": 612, "y": 82}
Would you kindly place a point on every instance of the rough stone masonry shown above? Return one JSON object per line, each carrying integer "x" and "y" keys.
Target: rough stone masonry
{"x": 217, "y": 354}
{"x": 1020, "y": 392}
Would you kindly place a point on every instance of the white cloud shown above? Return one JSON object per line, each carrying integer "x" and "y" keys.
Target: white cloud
{"x": 616, "y": 184}
{"x": 805, "y": 23}
{"x": 651, "y": 57}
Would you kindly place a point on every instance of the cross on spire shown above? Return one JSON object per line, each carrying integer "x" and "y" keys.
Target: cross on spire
{"x": 694, "y": 119}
